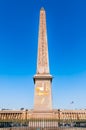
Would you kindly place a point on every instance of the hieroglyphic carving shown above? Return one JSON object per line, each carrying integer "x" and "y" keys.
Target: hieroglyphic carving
{"x": 42, "y": 63}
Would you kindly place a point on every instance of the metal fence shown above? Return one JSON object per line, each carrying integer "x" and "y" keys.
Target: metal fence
{"x": 42, "y": 124}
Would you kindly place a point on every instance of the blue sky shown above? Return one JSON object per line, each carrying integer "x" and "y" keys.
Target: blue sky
{"x": 66, "y": 28}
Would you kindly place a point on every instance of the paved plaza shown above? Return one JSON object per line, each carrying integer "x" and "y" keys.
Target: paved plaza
{"x": 27, "y": 128}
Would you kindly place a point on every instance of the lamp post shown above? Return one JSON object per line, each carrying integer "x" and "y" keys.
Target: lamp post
{"x": 58, "y": 117}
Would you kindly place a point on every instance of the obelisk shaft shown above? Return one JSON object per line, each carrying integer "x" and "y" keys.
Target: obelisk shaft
{"x": 42, "y": 60}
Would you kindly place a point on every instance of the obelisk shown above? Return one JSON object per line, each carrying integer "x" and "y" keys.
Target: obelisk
{"x": 42, "y": 79}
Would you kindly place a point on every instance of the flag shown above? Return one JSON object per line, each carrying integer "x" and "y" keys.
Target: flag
{"x": 72, "y": 102}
